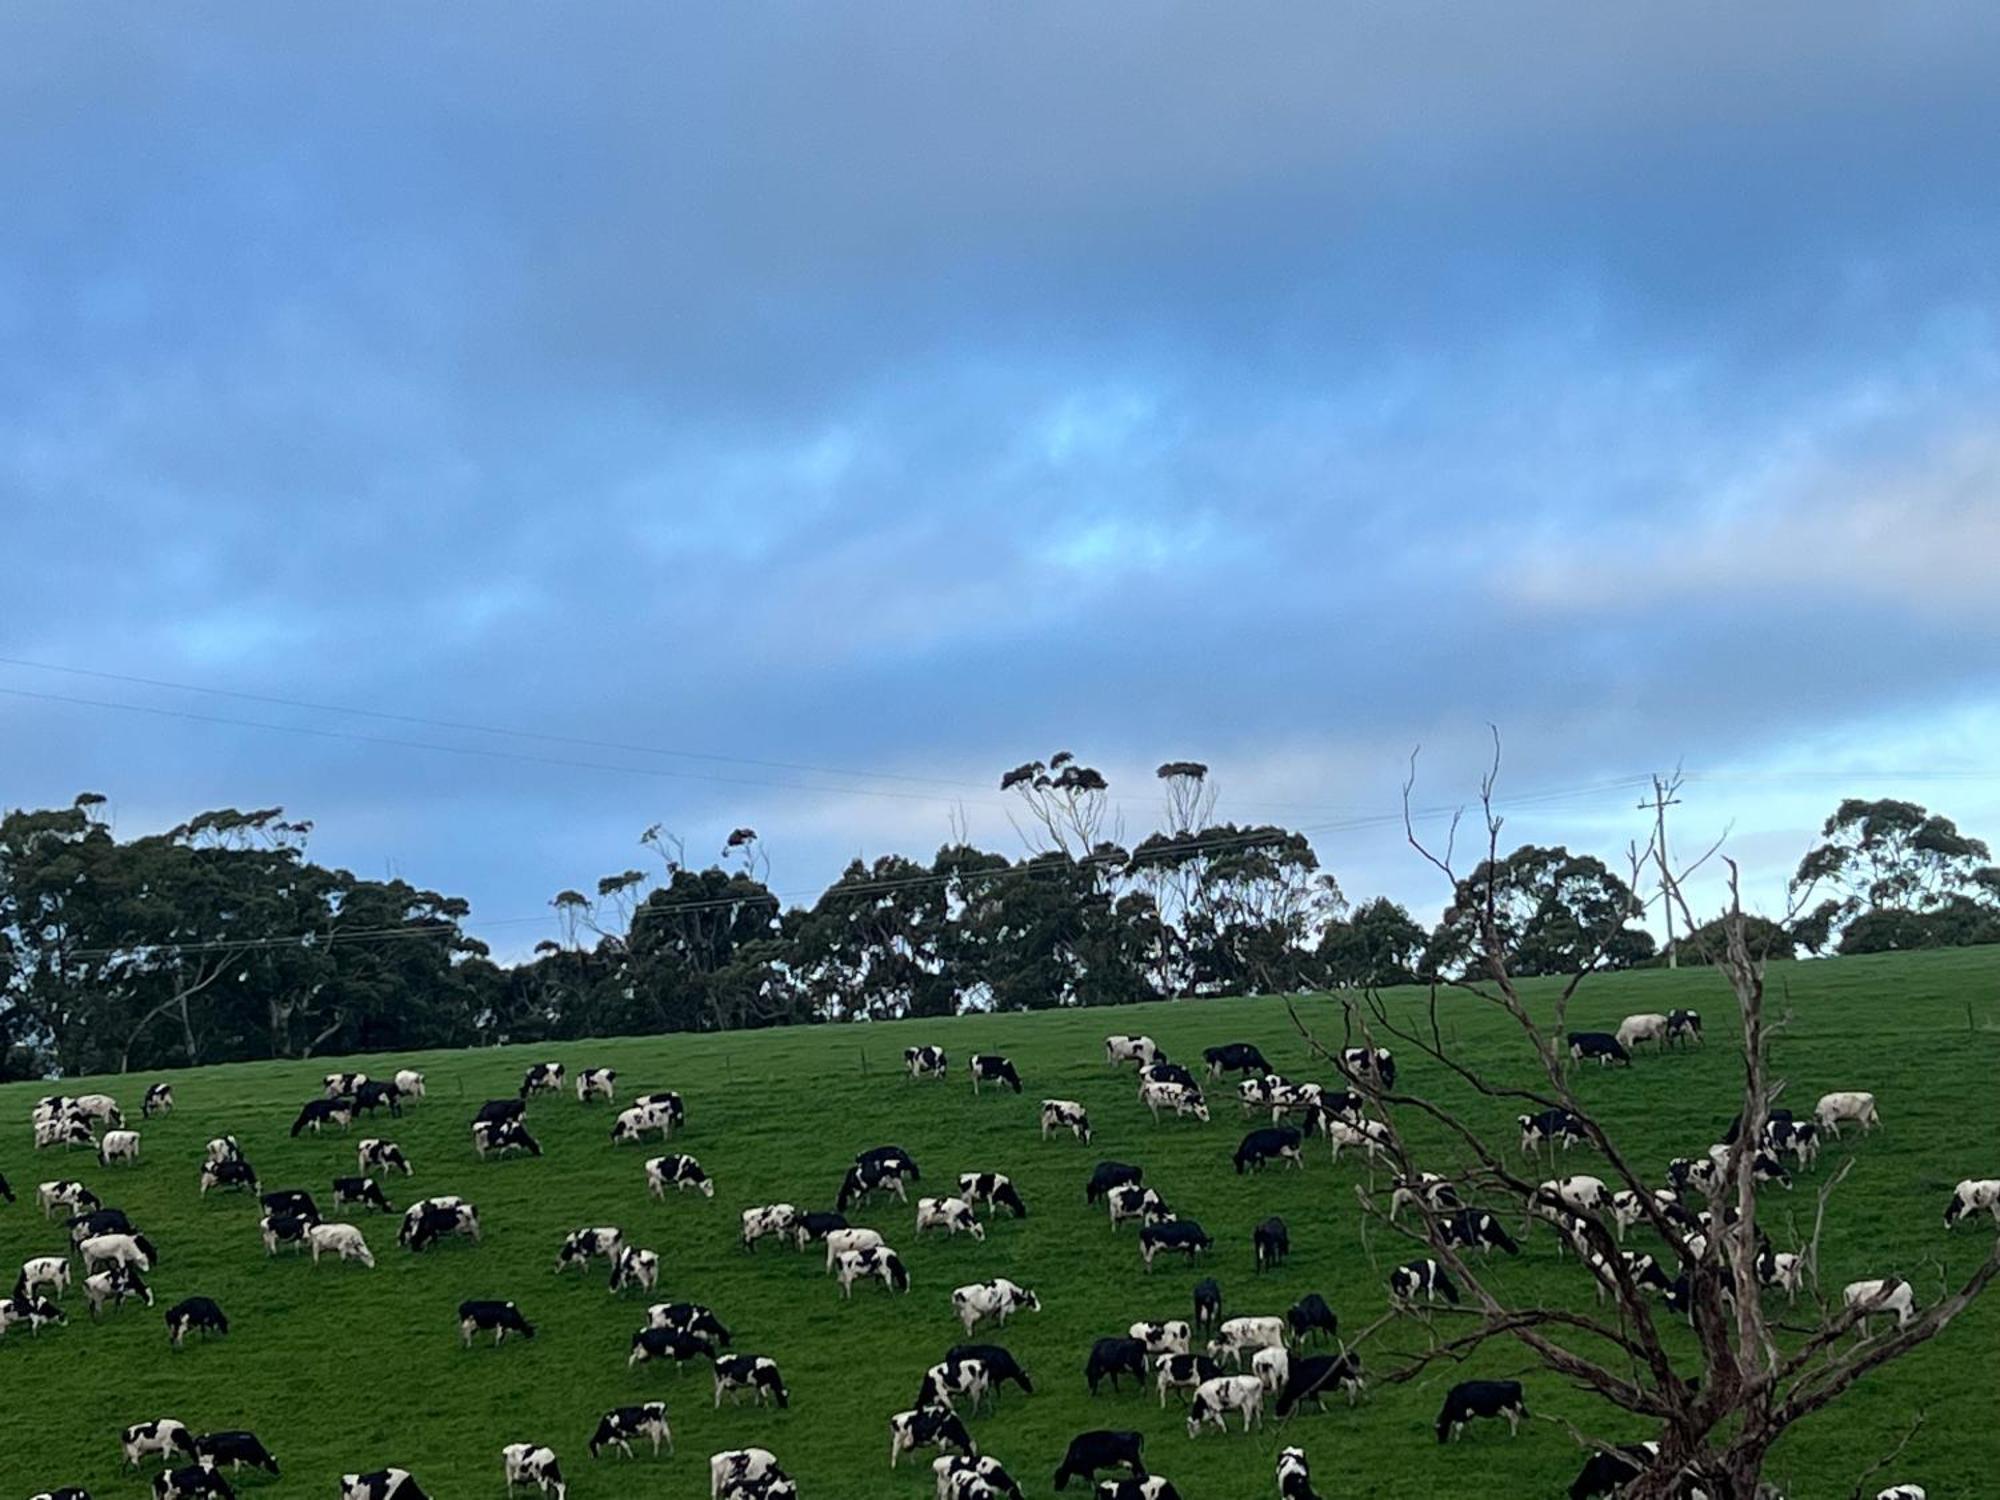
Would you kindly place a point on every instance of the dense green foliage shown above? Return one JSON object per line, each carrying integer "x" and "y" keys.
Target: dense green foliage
{"x": 338, "y": 1367}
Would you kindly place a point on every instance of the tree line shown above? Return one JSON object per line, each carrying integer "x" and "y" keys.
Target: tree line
{"x": 222, "y": 939}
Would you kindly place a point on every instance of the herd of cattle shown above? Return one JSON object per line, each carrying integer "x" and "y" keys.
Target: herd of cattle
{"x": 1217, "y": 1366}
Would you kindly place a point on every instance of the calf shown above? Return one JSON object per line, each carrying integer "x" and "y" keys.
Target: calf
{"x": 750, "y": 1372}
{"x": 1366, "y": 1065}
{"x": 477, "y": 1316}
{"x": 768, "y": 1219}
{"x": 409, "y": 1083}
{"x": 880, "y": 1263}
{"x": 372, "y": 1095}
{"x": 381, "y": 1484}
{"x": 1311, "y": 1376}
{"x": 1001, "y": 1366}
{"x": 1234, "y": 1057}
{"x": 501, "y": 1136}
{"x": 1065, "y": 1114}
{"x": 133, "y": 1250}
{"x": 1834, "y": 1109}
{"x": 159, "y": 1438}
{"x": 635, "y": 1267}
{"x": 596, "y": 1083}
{"x": 928, "y": 1427}
{"x": 619, "y": 1426}
{"x": 992, "y": 1189}
{"x": 1215, "y": 1399}
{"x": 363, "y": 1190}
{"x": 1142, "y": 1050}
{"x": 1178, "y": 1097}
{"x": 236, "y": 1448}
{"x": 542, "y": 1078}
{"x": 1971, "y": 1197}
{"x": 343, "y": 1240}
{"x": 680, "y": 1173}
{"x": 926, "y": 1062}
{"x": 1170, "y": 1337}
{"x": 1310, "y": 1317}
{"x": 1796, "y": 1138}
{"x": 195, "y": 1315}
{"x": 383, "y": 1155}
{"x": 991, "y": 1067}
{"x": 666, "y": 1102}
{"x": 1270, "y": 1242}
{"x": 1420, "y": 1278}
{"x": 1779, "y": 1268}
{"x": 1648, "y": 1027}
{"x": 531, "y": 1463}
{"x": 1107, "y": 1175}
{"x": 954, "y": 1215}
{"x": 1600, "y": 1047}
{"x": 65, "y": 1194}
{"x": 115, "y": 1286}
{"x": 1240, "y": 1336}
{"x": 1131, "y": 1201}
{"x": 1552, "y": 1127}
{"x": 228, "y": 1174}
{"x": 998, "y": 1299}
{"x": 582, "y": 1246}
{"x": 159, "y": 1100}
{"x": 1174, "y": 1236}
{"x": 1471, "y": 1399}
{"x": 1579, "y": 1194}
{"x": 1275, "y": 1143}
{"x": 1684, "y": 1026}
{"x": 1889, "y": 1294}
{"x": 1090, "y": 1453}
{"x": 1295, "y": 1476}
{"x": 1183, "y": 1372}
{"x": 117, "y": 1146}
{"x": 649, "y": 1344}
{"x": 320, "y": 1113}
{"x": 1273, "y": 1367}
{"x": 1207, "y": 1303}
{"x": 1476, "y": 1228}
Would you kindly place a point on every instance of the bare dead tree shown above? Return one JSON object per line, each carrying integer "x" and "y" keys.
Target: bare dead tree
{"x": 1066, "y": 804}
{"x": 1756, "y": 1377}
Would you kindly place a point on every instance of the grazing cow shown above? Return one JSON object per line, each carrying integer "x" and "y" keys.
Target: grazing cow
{"x": 1265, "y": 1091}
{"x": 1764, "y": 1167}
{"x": 950, "y": 1381}
{"x": 995, "y": 1190}
{"x": 1170, "y": 1337}
{"x": 1142, "y": 1050}
{"x": 1001, "y": 1366}
{"x": 1904, "y": 1492}
{"x": 816, "y": 1226}
{"x": 98, "y": 1221}
{"x": 294, "y": 1201}
{"x": 582, "y": 1246}
{"x": 118, "y": 1145}
{"x": 195, "y": 1315}
{"x": 190, "y": 1480}
{"x": 228, "y": 1174}
{"x": 1579, "y": 1194}
{"x": 1364, "y": 1065}
{"x": 381, "y": 1484}
{"x": 667, "y": 1103}
{"x": 991, "y": 1067}
{"x": 160, "y": 1438}
{"x": 1684, "y": 1026}
{"x": 1065, "y": 1114}
{"x": 1273, "y": 1367}
{"x": 1178, "y": 1097}
{"x": 542, "y": 1078}
{"x": 649, "y": 1344}
{"x": 689, "y": 1318}
{"x": 1160, "y": 1070}
{"x": 65, "y": 1194}
{"x": 532, "y": 1463}
{"x": 1131, "y": 1201}
{"x": 503, "y": 1136}
{"x": 635, "y": 1267}
{"x": 236, "y": 1448}
{"x": 1888, "y": 1294}
{"x": 928, "y": 1427}
{"x": 159, "y": 1100}
{"x": 1797, "y": 1138}
{"x": 1781, "y": 1268}
{"x": 1089, "y": 1453}
{"x": 1271, "y": 1242}
{"x": 1175, "y": 1236}
{"x": 1833, "y": 1109}
{"x": 1600, "y": 1047}
{"x": 1420, "y": 1278}
{"x": 101, "y": 1108}
{"x": 1234, "y": 1057}
{"x": 619, "y": 1426}
{"x": 1215, "y": 1399}
{"x": 1107, "y": 1175}
{"x": 632, "y": 1124}
{"x": 1295, "y": 1476}
{"x": 1971, "y": 1196}
{"x": 385, "y": 1155}
{"x": 343, "y": 1240}
{"x": 495, "y": 1110}
{"x": 926, "y": 1062}
{"x": 1371, "y": 1136}
{"x": 1552, "y": 1127}
{"x": 1207, "y": 1302}
{"x": 768, "y": 1219}
{"x": 1312, "y": 1375}
{"x": 1274, "y": 1143}
{"x": 36, "y": 1312}
{"x": 840, "y": 1241}
{"x": 44, "y": 1271}
{"x": 1111, "y": 1358}
{"x": 750, "y": 1372}
{"x": 320, "y": 1113}
{"x": 864, "y": 1178}
{"x": 66, "y": 1131}
{"x": 373, "y": 1094}
{"x": 435, "y": 1219}
{"x": 1240, "y": 1336}
{"x": 963, "y": 1478}
{"x": 998, "y": 1299}
{"x": 223, "y": 1148}
{"x": 284, "y": 1229}
{"x": 596, "y": 1083}
{"x": 1471, "y": 1399}
{"x": 1608, "y": 1471}
{"x": 1152, "y": 1487}
{"x": 1183, "y": 1372}
{"x": 365, "y": 1190}
{"x": 731, "y": 1471}
{"x": 678, "y": 1172}
{"x": 115, "y": 1286}
{"x": 1428, "y": 1189}
{"x": 1476, "y": 1228}
{"x": 1648, "y": 1027}
{"x": 121, "y": 1248}
{"x": 952, "y": 1214}
{"x": 893, "y": 1157}
{"x": 337, "y": 1084}
{"x": 1310, "y": 1317}
{"x": 409, "y": 1083}
{"x": 881, "y": 1263}
{"x": 478, "y": 1315}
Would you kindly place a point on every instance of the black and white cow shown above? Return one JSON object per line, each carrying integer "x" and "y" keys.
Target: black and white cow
{"x": 1171, "y": 1336}
{"x": 1271, "y": 1243}
{"x": 1160, "y": 1070}
{"x": 1799, "y": 1139}
{"x": 1311, "y": 1376}
{"x": 1427, "y": 1188}
{"x": 1207, "y": 1302}
{"x": 426, "y": 1223}
{"x": 1369, "y": 1065}
{"x": 337, "y": 1084}
{"x": 1420, "y": 1279}
{"x": 812, "y": 1227}
{"x": 87, "y": 1226}
{"x": 284, "y": 1229}
{"x": 618, "y": 1428}
{"x": 381, "y": 1484}
{"x": 991, "y": 1067}
{"x": 998, "y": 1299}
{"x": 1974, "y": 1195}
{"x": 65, "y": 1131}
{"x": 376, "y": 1093}
{"x": 64, "y": 1193}
{"x": 953, "y": 1215}
{"x": 1552, "y": 1127}
{"x": 1600, "y": 1047}
{"x": 750, "y": 1372}
{"x": 1473, "y": 1399}
{"x": 1475, "y": 1228}
{"x": 1310, "y": 1317}
{"x": 993, "y": 1190}
{"x": 1173, "y": 1236}
{"x": 596, "y": 1083}
{"x": 665, "y": 1102}
{"x": 409, "y": 1083}
{"x": 1240, "y": 1336}
{"x": 633, "y": 1123}
{"x": 1135, "y": 1202}
{"x": 501, "y": 1136}
{"x": 361, "y": 1190}
{"x": 191, "y": 1480}
{"x": 542, "y": 1078}
{"x": 1184, "y": 1372}
{"x": 635, "y": 1267}
{"x": 40, "y": 1271}
{"x": 926, "y": 1062}
{"x": 1607, "y": 1472}
{"x": 159, "y": 1100}
{"x": 928, "y": 1427}
{"x": 1295, "y": 1476}
{"x": 1684, "y": 1026}
{"x": 36, "y": 1312}
{"x": 320, "y": 1113}
{"x": 766, "y": 1220}
{"x": 375, "y": 1155}
{"x": 536, "y": 1464}
{"x": 1234, "y": 1057}
{"x": 1889, "y": 1294}
{"x": 223, "y": 1148}
{"x": 118, "y": 1249}
{"x": 228, "y": 1174}
{"x": 949, "y": 1382}
{"x": 236, "y": 1448}
{"x": 880, "y": 1264}
{"x": 840, "y": 1241}
{"x": 1001, "y": 1366}
{"x": 960, "y": 1477}
{"x": 876, "y": 1175}
{"x": 1273, "y": 1143}
{"x": 478, "y": 1315}
{"x": 689, "y": 1318}
{"x": 495, "y": 1110}
{"x": 1152, "y": 1487}
{"x": 115, "y": 1286}
{"x": 160, "y": 1438}
{"x": 1370, "y": 1136}
{"x": 1142, "y": 1050}
{"x": 582, "y": 1246}
{"x": 294, "y": 1201}
{"x": 1178, "y": 1097}
{"x": 1090, "y": 1453}
{"x": 680, "y": 1173}
{"x": 195, "y": 1315}
{"x": 747, "y": 1474}
{"x": 1107, "y": 1175}
{"x": 1215, "y": 1399}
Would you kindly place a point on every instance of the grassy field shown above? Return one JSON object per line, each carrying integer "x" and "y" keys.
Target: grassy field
{"x": 341, "y": 1368}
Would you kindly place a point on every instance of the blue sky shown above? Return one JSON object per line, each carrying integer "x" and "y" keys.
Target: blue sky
{"x": 913, "y": 391}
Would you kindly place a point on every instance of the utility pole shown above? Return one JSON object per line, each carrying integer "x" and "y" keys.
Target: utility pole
{"x": 1664, "y": 798}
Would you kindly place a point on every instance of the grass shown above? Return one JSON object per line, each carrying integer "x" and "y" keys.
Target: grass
{"x": 340, "y": 1368}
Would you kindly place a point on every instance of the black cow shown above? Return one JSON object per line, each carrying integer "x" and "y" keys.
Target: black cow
{"x": 1600, "y": 1047}
{"x": 1179, "y": 1236}
{"x": 1476, "y": 1228}
{"x": 649, "y": 1344}
{"x": 319, "y": 1113}
{"x": 1110, "y": 1358}
{"x": 618, "y": 1427}
{"x": 991, "y": 1067}
{"x": 1207, "y": 1302}
{"x": 1273, "y": 1143}
{"x": 890, "y": 1156}
{"x": 866, "y": 1177}
{"x": 1481, "y": 1398}
{"x": 499, "y": 1318}
{"x": 98, "y": 1221}
{"x": 1684, "y": 1026}
{"x": 1000, "y": 1365}
{"x": 194, "y": 1313}
{"x": 235, "y": 1448}
{"x": 1606, "y": 1473}
{"x": 191, "y": 1480}
{"x": 1271, "y": 1241}
{"x": 237, "y": 1173}
{"x": 1090, "y": 1452}
{"x": 1311, "y": 1376}
{"x": 1310, "y": 1316}
{"x": 495, "y": 1110}
{"x": 1159, "y": 1070}
{"x": 810, "y": 1229}
{"x": 295, "y": 1202}
{"x": 360, "y": 1190}
{"x": 375, "y": 1093}
{"x": 1107, "y": 1175}
{"x": 1234, "y": 1057}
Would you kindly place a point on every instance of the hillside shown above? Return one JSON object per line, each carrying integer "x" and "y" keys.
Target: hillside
{"x": 341, "y": 1368}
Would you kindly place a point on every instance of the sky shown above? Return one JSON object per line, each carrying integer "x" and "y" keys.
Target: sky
{"x": 792, "y": 417}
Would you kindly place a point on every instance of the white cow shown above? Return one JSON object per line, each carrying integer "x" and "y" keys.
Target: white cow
{"x": 44, "y": 1270}
{"x": 1240, "y": 1336}
{"x": 1170, "y": 1337}
{"x": 343, "y": 1240}
{"x": 840, "y": 1242}
{"x": 1371, "y": 1136}
{"x": 118, "y": 1145}
{"x": 1215, "y": 1399}
{"x": 953, "y": 1214}
{"x": 100, "y": 1107}
{"x": 1273, "y": 1367}
{"x": 409, "y": 1083}
{"x": 1887, "y": 1294}
{"x": 1123, "y": 1049}
{"x": 1970, "y": 1196}
{"x": 996, "y": 1299}
{"x": 116, "y": 1249}
{"x": 1642, "y": 1028}
{"x": 1858, "y": 1107}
